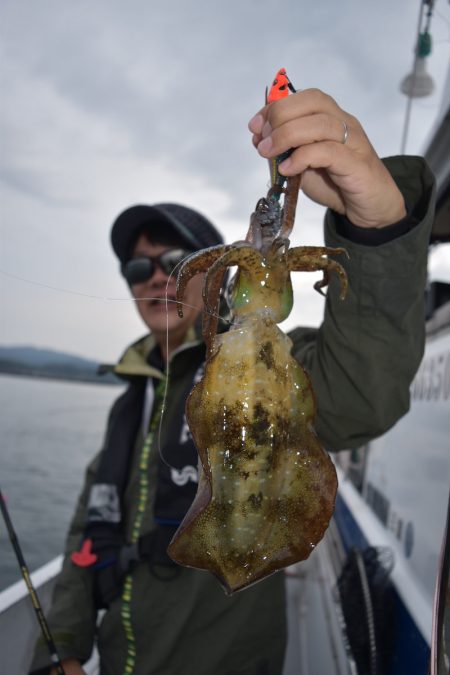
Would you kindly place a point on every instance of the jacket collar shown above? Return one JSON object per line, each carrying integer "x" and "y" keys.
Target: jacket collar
{"x": 134, "y": 361}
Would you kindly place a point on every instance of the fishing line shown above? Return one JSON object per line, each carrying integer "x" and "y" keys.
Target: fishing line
{"x": 166, "y": 384}
{"x": 90, "y": 296}
{"x": 103, "y": 298}
{"x": 56, "y": 661}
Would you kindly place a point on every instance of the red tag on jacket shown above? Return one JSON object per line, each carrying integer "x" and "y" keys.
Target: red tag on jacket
{"x": 84, "y": 557}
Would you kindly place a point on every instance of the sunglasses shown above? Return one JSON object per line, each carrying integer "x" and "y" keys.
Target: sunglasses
{"x": 138, "y": 270}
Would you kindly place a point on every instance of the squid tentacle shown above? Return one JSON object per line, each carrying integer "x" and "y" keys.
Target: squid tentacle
{"x": 314, "y": 258}
{"x": 198, "y": 262}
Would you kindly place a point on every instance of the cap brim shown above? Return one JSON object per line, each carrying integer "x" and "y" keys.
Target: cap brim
{"x": 128, "y": 224}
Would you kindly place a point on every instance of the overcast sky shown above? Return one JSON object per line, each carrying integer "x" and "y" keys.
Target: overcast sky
{"x": 106, "y": 104}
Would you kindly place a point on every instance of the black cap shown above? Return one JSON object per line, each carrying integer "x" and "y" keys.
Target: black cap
{"x": 195, "y": 231}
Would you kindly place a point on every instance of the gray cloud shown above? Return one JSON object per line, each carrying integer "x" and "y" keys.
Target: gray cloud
{"x": 111, "y": 103}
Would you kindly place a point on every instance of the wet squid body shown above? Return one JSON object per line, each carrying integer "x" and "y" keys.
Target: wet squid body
{"x": 267, "y": 488}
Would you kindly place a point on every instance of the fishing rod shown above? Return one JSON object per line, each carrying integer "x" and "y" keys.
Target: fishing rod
{"x": 56, "y": 661}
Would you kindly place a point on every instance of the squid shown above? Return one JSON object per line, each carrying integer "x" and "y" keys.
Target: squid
{"x": 267, "y": 487}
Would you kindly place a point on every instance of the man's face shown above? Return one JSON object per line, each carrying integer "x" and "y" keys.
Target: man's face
{"x": 151, "y": 295}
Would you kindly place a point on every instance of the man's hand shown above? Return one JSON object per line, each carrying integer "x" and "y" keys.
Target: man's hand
{"x": 71, "y": 667}
{"x": 340, "y": 168}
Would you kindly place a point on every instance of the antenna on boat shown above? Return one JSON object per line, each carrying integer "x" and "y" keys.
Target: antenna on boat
{"x": 56, "y": 661}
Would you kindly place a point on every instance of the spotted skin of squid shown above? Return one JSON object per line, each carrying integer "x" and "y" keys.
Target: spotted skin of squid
{"x": 267, "y": 488}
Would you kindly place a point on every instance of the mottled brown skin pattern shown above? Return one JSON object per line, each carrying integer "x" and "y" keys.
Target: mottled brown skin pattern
{"x": 267, "y": 488}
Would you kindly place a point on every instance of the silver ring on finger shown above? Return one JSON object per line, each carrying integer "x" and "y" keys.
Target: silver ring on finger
{"x": 345, "y": 136}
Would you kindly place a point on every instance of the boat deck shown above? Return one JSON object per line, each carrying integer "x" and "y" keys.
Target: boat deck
{"x": 310, "y": 611}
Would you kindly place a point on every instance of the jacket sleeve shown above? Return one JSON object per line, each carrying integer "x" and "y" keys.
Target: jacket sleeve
{"x": 72, "y": 617}
{"x": 365, "y": 354}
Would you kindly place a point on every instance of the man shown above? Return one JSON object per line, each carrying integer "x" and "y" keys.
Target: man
{"x": 163, "y": 619}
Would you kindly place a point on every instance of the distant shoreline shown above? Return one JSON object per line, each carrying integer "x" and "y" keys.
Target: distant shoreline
{"x": 61, "y": 376}
{"x": 49, "y": 364}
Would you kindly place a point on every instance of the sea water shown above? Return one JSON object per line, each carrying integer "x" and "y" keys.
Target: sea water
{"x": 49, "y": 432}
